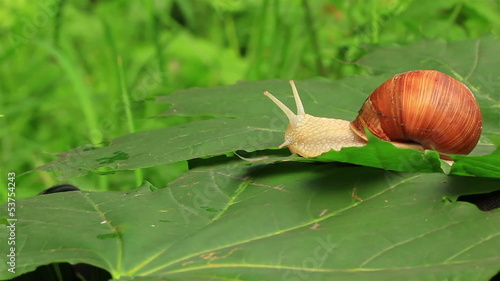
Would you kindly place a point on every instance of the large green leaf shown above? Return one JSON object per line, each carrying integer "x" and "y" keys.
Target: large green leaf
{"x": 253, "y": 125}
{"x": 243, "y": 119}
{"x": 290, "y": 221}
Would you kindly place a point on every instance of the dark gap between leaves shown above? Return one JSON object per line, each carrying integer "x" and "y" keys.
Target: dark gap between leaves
{"x": 484, "y": 201}
{"x": 496, "y": 277}
{"x": 59, "y": 188}
{"x": 65, "y": 272}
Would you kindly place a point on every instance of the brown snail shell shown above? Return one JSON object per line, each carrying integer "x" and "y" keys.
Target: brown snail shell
{"x": 426, "y": 107}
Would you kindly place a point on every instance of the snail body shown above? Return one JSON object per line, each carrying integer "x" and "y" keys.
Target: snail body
{"x": 422, "y": 109}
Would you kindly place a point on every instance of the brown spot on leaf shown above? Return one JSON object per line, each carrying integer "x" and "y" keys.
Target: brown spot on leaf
{"x": 216, "y": 255}
{"x": 354, "y": 195}
{"x": 314, "y": 226}
{"x": 323, "y": 212}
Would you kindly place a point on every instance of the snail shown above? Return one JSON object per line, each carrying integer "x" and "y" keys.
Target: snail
{"x": 421, "y": 109}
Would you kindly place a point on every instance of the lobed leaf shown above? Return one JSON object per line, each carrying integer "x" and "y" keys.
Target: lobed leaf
{"x": 243, "y": 119}
{"x": 289, "y": 221}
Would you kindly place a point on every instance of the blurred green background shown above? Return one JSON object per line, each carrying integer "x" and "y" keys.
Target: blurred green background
{"x": 83, "y": 72}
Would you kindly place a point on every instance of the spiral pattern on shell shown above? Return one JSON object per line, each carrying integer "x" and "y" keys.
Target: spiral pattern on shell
{"x": 426, "y": 107}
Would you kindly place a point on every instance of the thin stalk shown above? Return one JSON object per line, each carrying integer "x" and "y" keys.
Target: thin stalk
{"x": 82, "y": 92}
{"x": 375, "y": 23}
{"x": 274, "y": 41}
{"x": 231, "y": 34}
{"x": 57, "y": 22}
{"x": 123, "y": 93}
{"x": 313, "y": 36}
{"x": 255, "y": 49}
{"x": 125, "y": 96}
{"x": 57, "y": 272}
{"x": 153, "y": 25}
{"x": 454, "y": 14}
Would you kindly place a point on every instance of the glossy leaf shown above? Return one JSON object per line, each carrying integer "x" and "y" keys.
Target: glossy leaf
{"x": 288, "y": 221}
{"x": 243, "y": 119}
